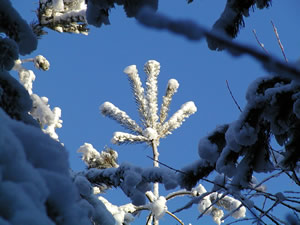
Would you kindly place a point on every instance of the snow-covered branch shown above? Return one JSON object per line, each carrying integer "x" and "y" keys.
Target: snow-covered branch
{"x": 48, "y": 119}
{"x": 193, "y": 31}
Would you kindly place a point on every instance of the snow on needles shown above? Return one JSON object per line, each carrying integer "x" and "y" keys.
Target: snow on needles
{"x": 154, "y": 125}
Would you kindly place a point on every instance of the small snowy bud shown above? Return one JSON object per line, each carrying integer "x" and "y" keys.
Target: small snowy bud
{"x": 189, "y": 107}
{"x": 130, "y": 69}
{"x": 204, "y": 204}
{"x": 152, "y": 67}
{"x": 40, "y": 62}
{"x": 199, "y": 190}
{"x": 217, "y": 215}
{"x": 150, "y": 133}
{"x": 173, "y": 84}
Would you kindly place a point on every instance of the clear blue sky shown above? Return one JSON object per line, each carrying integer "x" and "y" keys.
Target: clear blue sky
{"x": 88, "y": 70}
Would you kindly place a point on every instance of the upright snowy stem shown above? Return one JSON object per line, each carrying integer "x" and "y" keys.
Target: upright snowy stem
{"x": 152, "y": 69}
{"x": 138, "y": 92}
{"x": 155, "y": 164}
{"x": 171, "y": 90}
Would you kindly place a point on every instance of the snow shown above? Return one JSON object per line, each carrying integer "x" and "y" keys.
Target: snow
{"x": 152, "y": 69}
{"x": 173, "y": 84}
{"x": 208, "y": 151}
{"x": 121, "y": 137}
{"x": 158, "y": 207}
{"x": 33, "y": 166}
{"x": 95, "y": 16}
{"x": 121, "y": 214}
{"x": 16, "y": 106}
{"x": 58, "y": 5}
{"x": 178, "y": 118}
{"x": 88, "y": 153}
{"x": 150, "y": 134}
{"x": 40, "y": 62}
{"x": 8, "y": 53}
{"x": 83, "y": 185}
{"x": 26, "y": 78}
{"x": 110, "y": 110}
{"x": 130, "y": 70}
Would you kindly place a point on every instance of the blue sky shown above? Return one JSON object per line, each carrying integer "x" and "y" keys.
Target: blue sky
{"x": 88, "y": 70}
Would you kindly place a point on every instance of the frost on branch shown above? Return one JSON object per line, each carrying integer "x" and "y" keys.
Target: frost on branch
{"x": 93, "y": 159}
{"x": 153, "y": 129}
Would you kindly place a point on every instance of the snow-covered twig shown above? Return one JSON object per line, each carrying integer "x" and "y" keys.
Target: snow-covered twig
{"x": 175, "y": 217}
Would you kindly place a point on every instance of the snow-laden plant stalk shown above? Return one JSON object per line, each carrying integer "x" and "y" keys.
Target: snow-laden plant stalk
{"x": 153, "y": 127}
{"x": 48, "y": 119}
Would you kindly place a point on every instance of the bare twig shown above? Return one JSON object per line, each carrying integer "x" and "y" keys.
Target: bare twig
{"x": 279, "y": 42}
{"x": 266, "y": 212}
{"x": 227, "y": 84}
{"x": 175, "y": 217}
{"x": 261, "y": 211}
{"x": 260, "y": 43}
{"x": 169, "y": 167}
{"x": 178, "y": 193}
{"x": 264, "y": 203}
